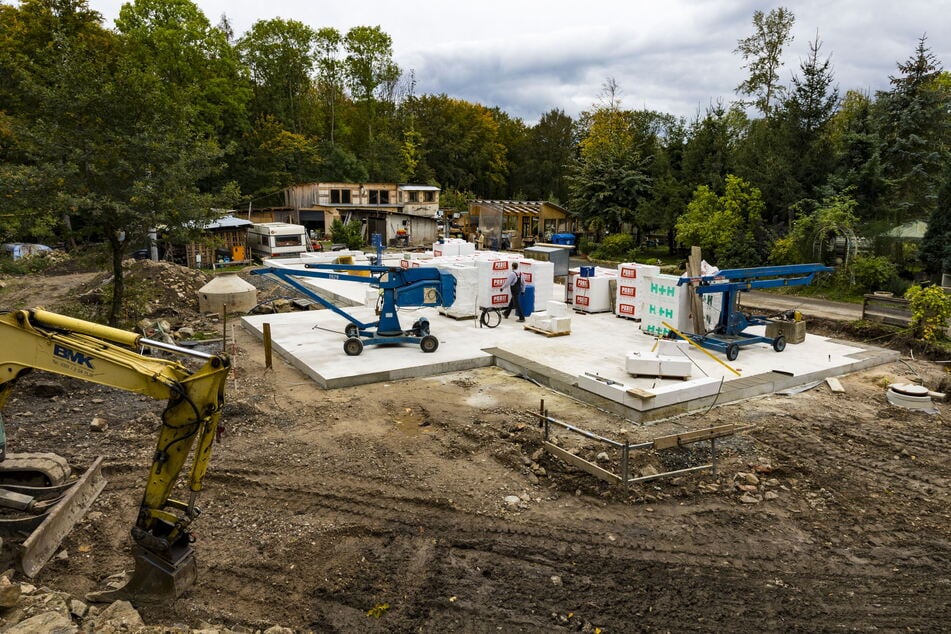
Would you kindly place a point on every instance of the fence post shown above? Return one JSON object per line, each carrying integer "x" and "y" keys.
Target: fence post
{"x": 625, "y": 456}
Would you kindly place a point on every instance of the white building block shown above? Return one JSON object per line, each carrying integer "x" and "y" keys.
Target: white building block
{"x": 560, "y": 324}
{"x": 557, "y": 309}
{"x": 656, "y": 397}
{"x": 653, "y": 364}
{"x": 592, "y": 294}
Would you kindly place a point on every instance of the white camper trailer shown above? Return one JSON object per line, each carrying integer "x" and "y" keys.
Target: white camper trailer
{"x": 277, "y": 240}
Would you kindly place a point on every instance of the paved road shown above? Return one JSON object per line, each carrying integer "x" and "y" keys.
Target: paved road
{"x": 808, "y": 306}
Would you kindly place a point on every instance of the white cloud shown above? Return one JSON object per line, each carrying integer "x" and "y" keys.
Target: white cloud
{"x": 530, "y": 56}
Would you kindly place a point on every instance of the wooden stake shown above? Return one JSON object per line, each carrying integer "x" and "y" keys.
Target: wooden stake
{"x": 696, "y": 304}
{"x": 267, "y": 346}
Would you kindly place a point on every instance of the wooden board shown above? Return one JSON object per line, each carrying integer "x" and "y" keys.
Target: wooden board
{"x": 581, "y": 463}
{"x": 639, "y": 393}
{"x": 675, "y": 440}
{"x": 696, "y": 304}
{"x": 547, "y": 333}
{"x": 835, "y": 385}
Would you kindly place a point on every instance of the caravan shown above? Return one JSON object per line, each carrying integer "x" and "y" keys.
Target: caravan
{"x": 277, "y": 240}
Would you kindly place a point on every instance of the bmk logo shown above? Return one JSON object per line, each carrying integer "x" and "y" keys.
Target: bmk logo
{"x": 72, "y": 356}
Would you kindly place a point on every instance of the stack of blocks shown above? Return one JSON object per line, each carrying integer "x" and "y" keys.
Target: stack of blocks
{"x": 630, "y": 288}
{"x": 453, "y": 247}
{"x": 554, "y": 319}
{"x": 592, "y": 294}
{"x": 492, "y": 275}
{"x": 664, "y": 301}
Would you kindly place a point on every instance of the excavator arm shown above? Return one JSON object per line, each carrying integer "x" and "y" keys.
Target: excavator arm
{"x": 40, "y": 340}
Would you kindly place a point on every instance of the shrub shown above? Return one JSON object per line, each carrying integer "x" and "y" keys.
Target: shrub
{"x": 873, "y": 272}
{"x": 930, "y": 310}
{"x": 25, "y": 265}
{"x": 350, "y": 234}
{"x": 586, "y": 245}
{"x": 618, "y": 246}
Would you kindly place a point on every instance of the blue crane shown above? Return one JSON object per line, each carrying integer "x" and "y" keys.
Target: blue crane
{"x": 423, "y": 286}
{"x": 728, "y": 336}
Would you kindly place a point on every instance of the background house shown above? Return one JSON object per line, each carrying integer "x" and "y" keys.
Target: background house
{"x": 518, "y": 219}
{"x": 400, "y": 213}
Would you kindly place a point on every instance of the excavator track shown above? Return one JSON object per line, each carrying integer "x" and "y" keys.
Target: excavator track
{"x": 45, "y": 514}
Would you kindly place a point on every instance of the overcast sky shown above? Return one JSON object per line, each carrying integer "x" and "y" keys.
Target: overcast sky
{"x": 675, "y": 56}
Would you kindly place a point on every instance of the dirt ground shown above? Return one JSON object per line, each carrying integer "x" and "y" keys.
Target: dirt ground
{"x": 382, "y": 508}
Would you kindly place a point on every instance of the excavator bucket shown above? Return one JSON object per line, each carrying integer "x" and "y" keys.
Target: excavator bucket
{"x": 156, "y": 579}
{"x": 49, "y": 512}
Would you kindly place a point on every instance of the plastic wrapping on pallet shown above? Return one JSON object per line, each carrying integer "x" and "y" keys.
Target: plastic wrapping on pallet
{"x": 628, "y": 298}
{"x": 593, "y": 294}
{"x": 467, "y": 290}
{"x": 452, "y": 247}
{"x": 664, "y": 301}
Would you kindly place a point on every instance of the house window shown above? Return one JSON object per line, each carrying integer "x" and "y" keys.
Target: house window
{"x": 430, "y": 197}
{"x": 339, "y": 196}
{"x": 379, "y": 197}
{"x": 412, "y": 197}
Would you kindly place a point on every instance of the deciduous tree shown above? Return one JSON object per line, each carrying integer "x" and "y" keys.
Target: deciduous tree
{"x": 763, "y": 53}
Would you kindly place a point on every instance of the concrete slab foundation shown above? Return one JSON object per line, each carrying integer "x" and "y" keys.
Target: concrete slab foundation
{"x": 588, "y": 364}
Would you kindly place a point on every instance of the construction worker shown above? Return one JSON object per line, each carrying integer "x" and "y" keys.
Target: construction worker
{"x": 516, "y": 285}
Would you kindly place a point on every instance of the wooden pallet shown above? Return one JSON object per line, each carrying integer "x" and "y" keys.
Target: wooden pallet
{"x": 547, "y": 333}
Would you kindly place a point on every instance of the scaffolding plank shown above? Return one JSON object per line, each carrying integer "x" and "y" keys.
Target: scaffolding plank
{"x": 581, "y": 463}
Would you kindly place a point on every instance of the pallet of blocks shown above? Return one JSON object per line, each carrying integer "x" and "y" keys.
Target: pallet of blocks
{"x": 554, "y": 321}
{"x": 669, "y": 360}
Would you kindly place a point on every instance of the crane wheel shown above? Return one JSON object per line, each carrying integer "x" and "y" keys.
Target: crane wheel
{"x": 429, "y": 343}
{"x": 732, "y": 352}
{"x": 353, "y": 347}
{"x": 779, "y": 343}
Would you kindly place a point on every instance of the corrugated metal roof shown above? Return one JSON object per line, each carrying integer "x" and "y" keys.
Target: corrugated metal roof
{"x": 228, "y": 222}
{"x": 533, "y": 207}
{"x": 417, "y": 188}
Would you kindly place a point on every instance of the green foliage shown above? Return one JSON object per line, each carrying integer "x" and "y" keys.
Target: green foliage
{"x": 460, "y": 144}
{"x": 724, "y": 227}
{"x": 26, "y": 265}
{"x": 586, "y": 245}
{"x": 873, "y": 273}
{"x": 931, "y": 309}
{"x": 350, "y": 234}
{"x": 916, "y": 134}
{"x": 833, "y": 215}
{"x": 617, "y": 246}
{"x": 279, "y": 55}
{"x": 936, "y": 246}
{"x": 763, "y": 52}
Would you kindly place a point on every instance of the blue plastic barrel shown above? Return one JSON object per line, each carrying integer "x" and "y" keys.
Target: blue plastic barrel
{"x": 528, "y": 300}
{"x": 587, "y": 271}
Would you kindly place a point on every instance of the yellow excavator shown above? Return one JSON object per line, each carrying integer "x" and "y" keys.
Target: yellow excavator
{"x": 37, "y": 339}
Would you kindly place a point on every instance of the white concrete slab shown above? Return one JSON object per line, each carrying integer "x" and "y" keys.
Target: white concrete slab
{"x": 598, "y": 345}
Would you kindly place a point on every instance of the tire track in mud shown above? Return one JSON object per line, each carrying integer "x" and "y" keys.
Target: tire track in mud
{"x": 554, "y": 545}
{"x": 643, "y": 569}
{"x": 825, "y": 451}
{"x": 466, "y": 528}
